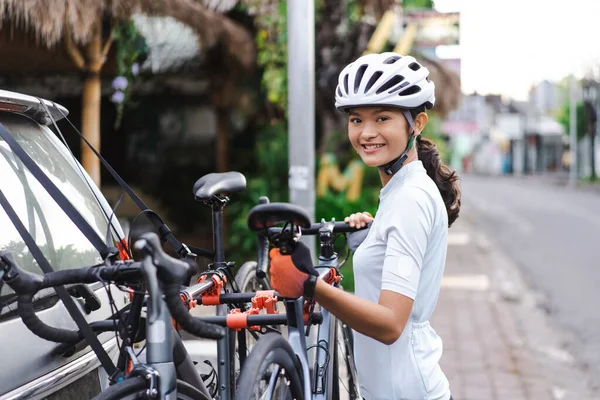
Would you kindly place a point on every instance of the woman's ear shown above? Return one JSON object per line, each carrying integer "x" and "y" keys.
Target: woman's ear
{"x": 420, "y": 122}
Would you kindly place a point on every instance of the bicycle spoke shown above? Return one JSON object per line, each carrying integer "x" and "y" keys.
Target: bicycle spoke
{"x": 273, "y": 381}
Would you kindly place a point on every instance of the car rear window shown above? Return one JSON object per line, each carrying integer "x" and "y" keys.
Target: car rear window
{"x": 57, "y": 236}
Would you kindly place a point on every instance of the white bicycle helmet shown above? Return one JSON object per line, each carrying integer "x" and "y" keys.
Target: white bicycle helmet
{"x": 386, "y": 79}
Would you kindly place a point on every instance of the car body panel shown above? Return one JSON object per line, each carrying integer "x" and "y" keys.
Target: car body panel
{"x": 32, "y": 367}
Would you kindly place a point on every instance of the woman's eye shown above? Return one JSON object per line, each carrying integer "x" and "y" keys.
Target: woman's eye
{"x": 382, "y": 119}
{"x": 355, "y": 120}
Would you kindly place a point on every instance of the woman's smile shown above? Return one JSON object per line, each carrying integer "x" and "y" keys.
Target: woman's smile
{"x": 372, "y": 148}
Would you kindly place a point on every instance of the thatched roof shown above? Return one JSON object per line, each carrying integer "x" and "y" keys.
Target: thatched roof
{"x": 50, "y": 19}
{"x": 447, "y": 86}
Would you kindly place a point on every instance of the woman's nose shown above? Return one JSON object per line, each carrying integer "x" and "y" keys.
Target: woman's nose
{"x": 369, "y": 131}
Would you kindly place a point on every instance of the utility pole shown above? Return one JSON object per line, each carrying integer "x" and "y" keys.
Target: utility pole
{"x": 595, "y": 134}
{"x": 301, "y": 104}
{"x": 573, "y": 133}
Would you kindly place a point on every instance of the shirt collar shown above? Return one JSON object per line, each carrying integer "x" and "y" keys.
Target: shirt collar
{"x": 408, "y": 169}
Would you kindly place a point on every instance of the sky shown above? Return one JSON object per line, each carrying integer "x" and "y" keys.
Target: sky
{"x": 506, "y": 46}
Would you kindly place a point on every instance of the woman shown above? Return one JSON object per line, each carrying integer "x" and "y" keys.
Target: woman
{"x": 398, "y": 267}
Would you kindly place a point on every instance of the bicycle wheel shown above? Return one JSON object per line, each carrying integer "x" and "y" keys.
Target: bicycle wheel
{"x": 247, "y": 281}
{"x": 272, "y": 371}
{"x": 345, "y": 379}
{"x": 135, "y": 388}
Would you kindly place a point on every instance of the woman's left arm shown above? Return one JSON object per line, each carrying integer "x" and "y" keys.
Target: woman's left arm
{"x": 383, "y": 321}
{"x": 406, "y": 232}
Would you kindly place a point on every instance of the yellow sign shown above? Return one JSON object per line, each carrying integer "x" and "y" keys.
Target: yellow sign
{"x": 330, "y": 177}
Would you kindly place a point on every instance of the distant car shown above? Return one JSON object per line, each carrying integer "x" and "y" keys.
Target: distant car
{"x": 31, "y": 367}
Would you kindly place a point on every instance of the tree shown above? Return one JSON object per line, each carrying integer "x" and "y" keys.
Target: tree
{"x": 85, "y": 28}
{"x": 564, "y": 117}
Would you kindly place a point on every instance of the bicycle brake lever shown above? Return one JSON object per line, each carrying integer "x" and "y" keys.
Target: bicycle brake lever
{"x": 91, "y": 301}
{"x": 153, "y": 289}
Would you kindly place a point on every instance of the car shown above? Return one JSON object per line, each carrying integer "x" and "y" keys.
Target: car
{"x": 31, "y": 367}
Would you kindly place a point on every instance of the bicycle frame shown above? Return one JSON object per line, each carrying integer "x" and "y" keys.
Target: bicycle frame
{"x": 223, "y": 351}
{"x": 159, "y": 368}
{"x": 326, "y": 336}
{"x": 296, "y": 338}
{"x": 319, "y": 386}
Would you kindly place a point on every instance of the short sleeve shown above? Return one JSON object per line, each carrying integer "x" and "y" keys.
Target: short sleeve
{"x": 406, "y": 233}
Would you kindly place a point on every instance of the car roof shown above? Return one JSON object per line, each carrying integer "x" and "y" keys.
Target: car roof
{"x": 31, "y": 106}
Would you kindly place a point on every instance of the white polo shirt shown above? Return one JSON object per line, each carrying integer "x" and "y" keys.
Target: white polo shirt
{"x": 405, "y": 252}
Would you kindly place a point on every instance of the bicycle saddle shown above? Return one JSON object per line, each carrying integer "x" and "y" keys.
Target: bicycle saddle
{"x": 218, "y": 183}
{"x": 264, "y": 216}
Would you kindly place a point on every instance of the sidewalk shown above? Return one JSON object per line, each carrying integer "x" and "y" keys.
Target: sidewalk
{"x": 497, "y": 343}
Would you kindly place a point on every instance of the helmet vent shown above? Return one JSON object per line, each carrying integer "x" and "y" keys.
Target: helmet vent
{"x": 393, "y": 81}
{"x": 392, "y": 59}
{"x": 339, "y": 92}
{"x": 359, "y": 75}
{"x": 414, "y": 66}
{"x": 410, "y": 90}
{"x": 403, "y": 85}
{"x": 373, "y": 79}
{"x": 346, "y": 84}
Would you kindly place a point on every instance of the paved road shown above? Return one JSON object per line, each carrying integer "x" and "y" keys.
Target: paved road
{"x": 553, "y": 234}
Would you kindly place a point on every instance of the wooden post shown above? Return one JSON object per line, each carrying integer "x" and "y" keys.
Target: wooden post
{"x": 222, "y": 139}
{"x": 92, "y": 95}
{"x": 90, "y": 121}
{"x": 91, "y": 65}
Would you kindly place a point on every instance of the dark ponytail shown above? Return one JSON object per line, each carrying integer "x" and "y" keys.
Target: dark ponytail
{"x": 445, "y": 179}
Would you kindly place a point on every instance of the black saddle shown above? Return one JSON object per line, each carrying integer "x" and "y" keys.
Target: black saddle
{"x": 265, "y": 216}
{"x": 210, "y": 185}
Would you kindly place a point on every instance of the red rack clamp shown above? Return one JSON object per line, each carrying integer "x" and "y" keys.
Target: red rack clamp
{"x": 187, "y": 301}
{"x": 333, "y": 277}
{"x": 237, "y": 320}
{"x": 307, "y": 310}
{"x": 212, "y": 297}
{"x": 265, "y": 299}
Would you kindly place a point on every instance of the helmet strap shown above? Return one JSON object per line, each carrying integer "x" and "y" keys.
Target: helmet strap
{"x": 394, "y": 166}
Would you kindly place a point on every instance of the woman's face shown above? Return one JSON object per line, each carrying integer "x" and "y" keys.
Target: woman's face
{"x": 378, "y": 134}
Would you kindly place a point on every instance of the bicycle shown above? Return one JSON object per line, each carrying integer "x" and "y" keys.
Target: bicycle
{"x": 212, "y": 190}
{"x": 274, "y": 357}
{"x": 157, "y": 377}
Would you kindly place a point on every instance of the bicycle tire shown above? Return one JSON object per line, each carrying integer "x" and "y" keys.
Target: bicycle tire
{"x": 271, "y": 349}
{"x": 247, "y": 282}
{"x": 347, "y": 343}
{"x": 134, "y": 388}
{"x": 246, "y": 279}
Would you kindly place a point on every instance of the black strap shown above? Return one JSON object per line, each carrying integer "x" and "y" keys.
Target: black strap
{"x": 70, "y": 305}
{"x": 56, "y": 194}
{"x": 163, "y": 230}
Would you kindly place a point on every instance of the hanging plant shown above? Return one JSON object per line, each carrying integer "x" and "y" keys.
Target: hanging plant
{"x": 131, "y": 48}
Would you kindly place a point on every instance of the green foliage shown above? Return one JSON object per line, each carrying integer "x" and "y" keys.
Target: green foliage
{"x": 408, "y": 4}
{"x": 564, "y": 117}
{"x": 269, "y": 179}
{"x": 353, "y": 12}
{"x": 335, "y": 204}
{"x": 271, "y": 44}
{"x": 131, "y": 46}
{"x": 432, "y": 131}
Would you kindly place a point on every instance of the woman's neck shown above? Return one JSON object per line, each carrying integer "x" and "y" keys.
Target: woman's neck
{"x": 412, "y": 156}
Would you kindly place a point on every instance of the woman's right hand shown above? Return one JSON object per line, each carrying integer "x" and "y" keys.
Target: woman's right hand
{"x": 359, "y": 220}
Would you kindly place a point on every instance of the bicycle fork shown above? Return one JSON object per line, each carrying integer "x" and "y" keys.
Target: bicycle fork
{"x": 159, "y": 369}
{"x": 296, "y": 338}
